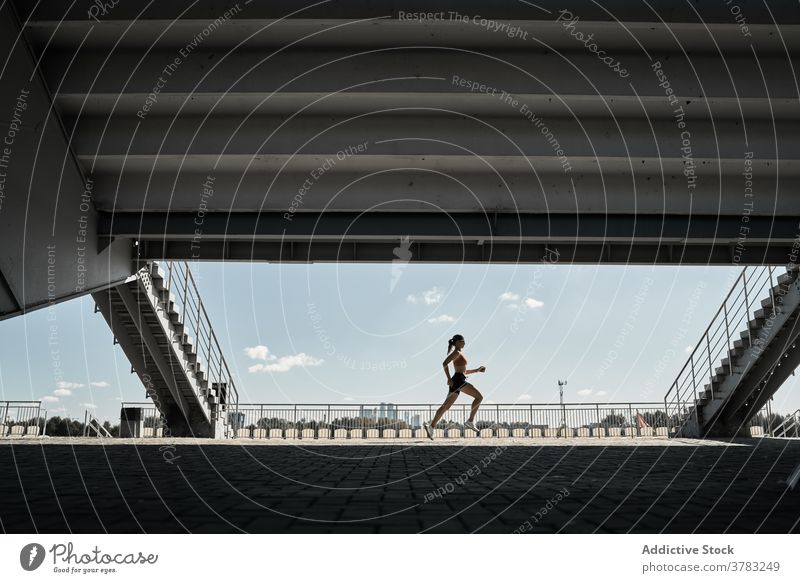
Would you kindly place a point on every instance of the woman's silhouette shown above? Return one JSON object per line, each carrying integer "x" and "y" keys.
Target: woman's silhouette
{"x": 457, "y": 383}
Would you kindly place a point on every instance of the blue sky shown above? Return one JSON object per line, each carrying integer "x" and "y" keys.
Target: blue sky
{"x": 345, "y": 333}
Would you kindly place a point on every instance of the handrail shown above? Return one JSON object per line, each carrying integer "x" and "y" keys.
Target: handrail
{"x": 717, "y": 340}
{"x": 783, "y": 428}
{"x": 181, "y": 283}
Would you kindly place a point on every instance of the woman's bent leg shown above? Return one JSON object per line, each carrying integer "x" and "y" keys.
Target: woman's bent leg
{"x": 448, "y": 402}
{"x": 470, "y": 390}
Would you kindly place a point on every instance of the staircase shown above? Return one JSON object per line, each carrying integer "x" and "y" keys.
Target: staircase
{"x": 160, "y": 323}
{"x": 744, "y": 356}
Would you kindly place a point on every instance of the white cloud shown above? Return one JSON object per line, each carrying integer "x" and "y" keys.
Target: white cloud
{"x": 49, "y": 399}
{"x": 508, "y": 297}
{"x": 430, "y": 296}
{"x": 585, "y": 392}
{"x": 62, "y": 392}
{"x": 600, "y": 393}
{"x": 524, "y": 397}
{"x": 259, "y": 352}
{"x": 89, "y": 405}
{"x": 533, "y": 303}
{"x": 285, "y": 363}
{"x": 100, "y": 384}
{"x": 66, "y": 385}
{"x": 443, "y": 319}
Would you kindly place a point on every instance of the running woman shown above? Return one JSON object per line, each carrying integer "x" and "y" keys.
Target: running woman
{"x": 457, "y": 383}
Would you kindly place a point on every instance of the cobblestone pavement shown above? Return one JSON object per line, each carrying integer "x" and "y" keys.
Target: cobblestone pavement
{"x": 486, "y": 486}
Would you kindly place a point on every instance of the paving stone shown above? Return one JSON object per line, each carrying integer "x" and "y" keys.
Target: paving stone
{"x": 676, "y": 486}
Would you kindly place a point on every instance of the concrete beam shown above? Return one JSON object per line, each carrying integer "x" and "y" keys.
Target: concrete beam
{"x": 49, "y": 250}
{"x": 355, "y": 251}
{"x": 431, "y": 189}
{"x": 727, "y": 37}
{"x": 611, "y": 10}
{"x": 415, "y": 70}
{"x": 398, "y": 135}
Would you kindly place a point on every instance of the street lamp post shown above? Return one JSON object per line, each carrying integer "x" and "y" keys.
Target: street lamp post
{"x": 561, "y": 385}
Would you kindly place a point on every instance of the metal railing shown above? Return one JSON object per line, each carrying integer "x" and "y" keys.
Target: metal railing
{"x": 732, "y": 317}
{"x": 790, "y": 427}
{"x": 411, "y": 416}
{"x": 26, "y": 413}
{"x": 92, "y": 425}
{"x": 182, "y": 287}
{"x": 627, "y": 416}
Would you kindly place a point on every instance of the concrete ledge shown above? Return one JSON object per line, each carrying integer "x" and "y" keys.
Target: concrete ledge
{"x": 455, "y": 442}
{"x": 290, "y": 433}
{"x": 550, "y": 432}
{"x": 276, "y": 433}
{"x": 373, "y": 434}
{"x": 502, "y": 432}
{"x": 583, "y": 432}
{"x": 662, "y": 432}
{"x": 307, "y": 434}
{"x": 453, "y": 432}
{"x": 323, "y": 433}
{"x": 340, "y": 433}
{"x": 405, "y": 434}
{"x": 598, "y": 432}
{"x": 243, "y": 432}
{"x": 260, "y": 433}
{"x": 518, "y": 432}
{"x": 356, "y": 434}
{"x": 756, "y": 431}
{"x": 535, "y": 432}
{"x": 487, "y": 432}
{"x": 646, "y": 432}
{"x": 389, "y": 433}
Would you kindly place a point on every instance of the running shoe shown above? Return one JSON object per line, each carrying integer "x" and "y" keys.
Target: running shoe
{"x": 428, "y": 429}
{"x": 471, "y": 425}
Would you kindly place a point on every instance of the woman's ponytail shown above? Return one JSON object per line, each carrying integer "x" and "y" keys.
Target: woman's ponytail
{"x": 449, "y": 346}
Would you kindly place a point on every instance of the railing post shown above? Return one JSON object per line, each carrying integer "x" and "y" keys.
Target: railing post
{"x": 728, "y": 332}
{"x": 746, "y": 295}
{"x": 184, "y": 302}
{"x": 630, "y": 416}
{"x": 771, "y": 291}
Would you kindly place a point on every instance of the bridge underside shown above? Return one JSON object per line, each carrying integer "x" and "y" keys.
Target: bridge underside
{"x": 350, "y": 131}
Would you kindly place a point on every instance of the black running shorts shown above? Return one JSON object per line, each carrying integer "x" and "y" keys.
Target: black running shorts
{"x": 459, "y": 380}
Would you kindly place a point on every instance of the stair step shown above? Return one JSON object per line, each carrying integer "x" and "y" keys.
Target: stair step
{"x": 787, "y": 277}
{"x": 743, "y": 343}
{"x": 763, "y": 313}
{"x": 756, "y": 323}
{"x": 766, "y": 302}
